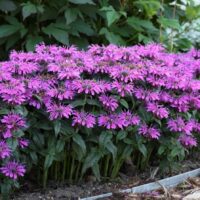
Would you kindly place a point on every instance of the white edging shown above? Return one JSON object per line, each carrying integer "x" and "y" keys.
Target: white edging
{"x": 167, "y": 182}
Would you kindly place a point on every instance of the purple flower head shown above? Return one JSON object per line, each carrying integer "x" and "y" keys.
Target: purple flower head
{"x": 87, "y": 86}
{"x": 110, "y": 121}
{"x": 84, "y": 119}
{"x": 5, "y": 151}
{"x": 188, "y": 141}
{"x": 109, "y": 102}
{"x": 158, "y": 110}
{"x": 13, "y": 121}
{"x": 13, "y": 169}
{"x": 149, "y": 132}
{"x": 58, "y": 111}
{"x": 179, "y": 125}
{"x": 122, "y": 88}
{"x": 128, "y": 119}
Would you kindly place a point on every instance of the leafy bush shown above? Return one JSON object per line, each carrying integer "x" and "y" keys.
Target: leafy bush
{"x": 90, "y": 111}
{"x": 82, "y": 22}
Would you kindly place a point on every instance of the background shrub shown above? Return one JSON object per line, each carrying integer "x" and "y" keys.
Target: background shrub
{"x": 82, "y": 22}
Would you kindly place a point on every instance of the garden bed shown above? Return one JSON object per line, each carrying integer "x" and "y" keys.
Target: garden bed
{"x": 92, "y": 188}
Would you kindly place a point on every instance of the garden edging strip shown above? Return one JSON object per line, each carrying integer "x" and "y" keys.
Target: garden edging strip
{"x": 167, "y": 182}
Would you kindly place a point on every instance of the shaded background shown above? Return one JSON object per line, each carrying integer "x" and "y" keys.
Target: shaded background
{"x": 23, "y": 24}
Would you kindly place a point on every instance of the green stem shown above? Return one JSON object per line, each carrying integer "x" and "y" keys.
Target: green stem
{"x": 45, "y": 175}
{"x": 77, "y": 171}
{"x": 64, "y": 167}
{"x": 106, "y": 166}
{"x": 116, "y": 168}
{"x": 72, "y": 169}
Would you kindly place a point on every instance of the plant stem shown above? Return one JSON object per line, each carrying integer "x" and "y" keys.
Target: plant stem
{"x": 106, "y": 166}
{"x": 45, "y": 175}
{"x": 77, "y": 171}
{"x": 72, "y": 169}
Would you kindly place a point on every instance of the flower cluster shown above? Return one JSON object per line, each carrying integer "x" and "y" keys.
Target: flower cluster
{"x": 116, "y": 88}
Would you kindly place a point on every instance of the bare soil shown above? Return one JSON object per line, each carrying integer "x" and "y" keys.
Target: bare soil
{"x": 91, "y": 187}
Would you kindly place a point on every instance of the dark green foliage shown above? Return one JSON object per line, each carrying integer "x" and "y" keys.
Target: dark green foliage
{"x": 81, "y": 22}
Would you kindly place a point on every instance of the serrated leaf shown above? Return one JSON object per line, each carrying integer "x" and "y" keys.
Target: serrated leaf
{"x": 82, "y": 27}
{"x": 112, "y": 16}
{"x": 6, "y": 30}
{"x": 7, "y": 5}
{"x": 28, "y": 9}
{"x": 71, "y": 15}
{"x": 57, "y": 32}
{"x": 112, "y": 37}
{"x": 169, "y": 23}
{"x": 32, "y": 41}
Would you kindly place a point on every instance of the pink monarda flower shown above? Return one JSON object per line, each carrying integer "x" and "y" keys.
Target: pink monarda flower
{"x": 84, "y": 119}
{"x": 158, "y": 110}
{"x": 13, "y": 121}
{"x": 122, "y": 88}
{"x": 110, "y": 121}
{"x": 23, "y": 143}
{"x": 128, "y": 119}
{"x": 13, "y": 169}
{"x": 179, "y": 125}
{"x": 58, "y": 111}
{"x": 149, "y": 132}
{"x": 188, "y": 141}
{"x": 87, "y": 86}
{"x": 109, "y": 102}
{"x": 5, "y": 151}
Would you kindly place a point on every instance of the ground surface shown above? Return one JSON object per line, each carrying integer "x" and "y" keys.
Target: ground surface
{"x": 91, "y": 187}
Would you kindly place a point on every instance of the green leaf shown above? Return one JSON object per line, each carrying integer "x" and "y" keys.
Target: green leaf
{"x": 71, "y": 15}
{"x": 28, "y": 9}
{"x": 169, "y": 23}
{"x": 57, "y": 32}
{"x": 127, "y": 151}
{"x": 105, "y": 137}
{"x": 124, "y": 103}
{"x": 92, "y": 158}
{"x": 48, "y": 161}
{"x": 93, "y": 102}
{"x": 81, "y": 1}
{"x": 111, "y": 15}
{"x": 140, "y": 24}
{"x": 7, "y": 5}
{"x": 60, "y": 145}
{"x": 82, "y": 27}
{"x": 57, "y": 127}
{"x": 77, "y": 103}
{"x": 79, "y": 140}
{"x": 96, "y": 171}
{"x": 121, "y": 135}
{"x": 112, "y": 37}
{"x": 112, "y": 149}
{"x": 32, "y": 41}
{"x": 34, "y": 157}
{"x": 142, "y": 149}
{"x": 6, "y": 30}
{"x": 161, "y": 150}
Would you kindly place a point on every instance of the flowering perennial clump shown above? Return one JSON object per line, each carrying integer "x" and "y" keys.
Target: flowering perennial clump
{"x": 103, "y": 88}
